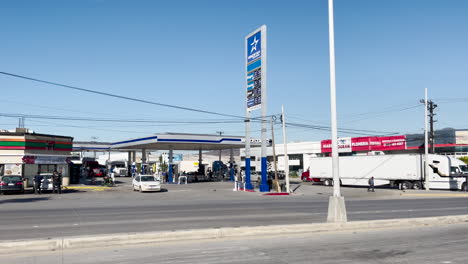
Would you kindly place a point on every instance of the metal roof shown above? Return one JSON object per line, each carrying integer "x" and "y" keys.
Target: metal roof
{"x": 176, "y": 141}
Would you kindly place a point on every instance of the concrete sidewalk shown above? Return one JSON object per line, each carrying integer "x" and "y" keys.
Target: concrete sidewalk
{"x": 126, "y": 239}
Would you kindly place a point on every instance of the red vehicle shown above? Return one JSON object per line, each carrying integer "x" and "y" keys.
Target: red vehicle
{"x": 305, "y": 176}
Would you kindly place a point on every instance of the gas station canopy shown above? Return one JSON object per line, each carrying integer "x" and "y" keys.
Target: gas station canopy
{"x": 178, "y": 141}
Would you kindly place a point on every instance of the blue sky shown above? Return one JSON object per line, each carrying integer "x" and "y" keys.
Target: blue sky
{"x": 191, "y": 54}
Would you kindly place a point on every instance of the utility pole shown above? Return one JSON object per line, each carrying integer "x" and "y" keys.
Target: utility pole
{"x": 21, "y": 122}
{"x": 220, "y": 134}
{"x": 276, "y": 183}
{"x": 429, "y": 143}
{"x": 285, "y": 145}
{"x": 430, "y": 107}
{"x": 426, "y": 146}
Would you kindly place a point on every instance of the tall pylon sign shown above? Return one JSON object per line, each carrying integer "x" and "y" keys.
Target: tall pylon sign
{"x": 256, "y": 68}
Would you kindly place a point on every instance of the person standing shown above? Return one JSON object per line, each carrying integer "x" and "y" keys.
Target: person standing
{"x": 38, "y": 183}
{"x": 112, "y": 176}
{"x": 57, "y": 182}
{"x": 371, "y": 184}
{"x": 210, "y": 175}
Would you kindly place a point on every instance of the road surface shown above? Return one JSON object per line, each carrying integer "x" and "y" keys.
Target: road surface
{"x": 427, "y": 245}
{"x": 73, "y": 214}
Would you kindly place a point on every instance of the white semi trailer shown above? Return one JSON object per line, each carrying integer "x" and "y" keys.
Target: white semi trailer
{"x": 403, "y": 170}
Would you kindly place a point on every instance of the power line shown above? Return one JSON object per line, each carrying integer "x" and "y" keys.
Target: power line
{"x": 373, "y": 114}
{"x": 340, "y": 129}
{"x": 219, "y": 121}
{"x": 89, "y": 119}
{"x": 118, "y": 96}
{"x": 93, "y": 128}
{"x": 146, "y": 102}
{"x": 382, "y": 113}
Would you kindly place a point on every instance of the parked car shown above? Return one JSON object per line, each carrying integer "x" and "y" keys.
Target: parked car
{"x": 143, "y": 183}
{"x": 11, "y": 183}
{"x": 47, "y": 182}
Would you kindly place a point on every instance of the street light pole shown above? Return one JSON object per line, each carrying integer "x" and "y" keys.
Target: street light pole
{"x": 336, "y": 206}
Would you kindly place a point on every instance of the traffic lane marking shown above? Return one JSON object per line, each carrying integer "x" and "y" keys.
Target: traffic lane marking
{"x": 86, "y": 187}
{"x": 435, "y": 194}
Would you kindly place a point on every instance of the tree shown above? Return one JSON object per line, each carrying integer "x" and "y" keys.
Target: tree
{"x": 162, "y": 164}
{"x": 464, "y": 159}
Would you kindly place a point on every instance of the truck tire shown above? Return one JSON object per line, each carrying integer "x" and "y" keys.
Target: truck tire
{"x": 406, "y": 185}
{"x": 417, "y": 185}
{"x": 463, "y": 187}
{"x": 328, "y": 182}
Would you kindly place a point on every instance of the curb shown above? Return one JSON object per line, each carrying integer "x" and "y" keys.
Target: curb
{"x": 86, "y": 187}
{"x": 436, "y": 194}
{"x": 81, "y": 242}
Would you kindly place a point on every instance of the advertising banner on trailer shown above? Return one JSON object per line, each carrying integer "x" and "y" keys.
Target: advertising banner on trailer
{"x": 346, "y": 145}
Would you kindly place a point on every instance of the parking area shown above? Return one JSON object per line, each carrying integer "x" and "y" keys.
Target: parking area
{"x": 88, "y": 210}
{"x": 123, "y": 194}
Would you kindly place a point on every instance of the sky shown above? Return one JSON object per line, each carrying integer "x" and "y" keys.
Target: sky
{"x": 191, "y": 54}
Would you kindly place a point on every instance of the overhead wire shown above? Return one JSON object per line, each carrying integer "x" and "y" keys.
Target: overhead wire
{"x": 117, "y": 96}
{"x": 90, "y": 119}
{"x": 343, "y": 130}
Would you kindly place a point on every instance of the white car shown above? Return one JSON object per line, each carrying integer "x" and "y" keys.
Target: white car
{"x": 144, "y": 183}
{"x": 47, "y": 182}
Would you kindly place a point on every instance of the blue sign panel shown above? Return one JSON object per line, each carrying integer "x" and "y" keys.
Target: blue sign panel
{"x": 254, "y": 47}
{"x": 255, "y": 50}
{"x": 254, "y": 65}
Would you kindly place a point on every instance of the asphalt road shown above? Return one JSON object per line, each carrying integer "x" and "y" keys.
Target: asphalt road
{"x": 426, "y": 245}
{"x": 192, "y": 207}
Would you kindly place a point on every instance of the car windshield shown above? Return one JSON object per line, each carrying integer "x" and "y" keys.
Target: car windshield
{"x": 147, "y": 178}
{"x": 464, "y": 168}
{"x": 12, "y": 179}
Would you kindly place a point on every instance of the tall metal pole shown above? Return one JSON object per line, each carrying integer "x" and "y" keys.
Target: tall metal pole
{"x": 426, "y": 145}
{"x": 336, "y": 206}
{"x": 432, "y": 106}
{"x": 248, "y": 184}
{"x": 220, "y": 134}
{"x": 334, "y": 130}
{"x": 264, "y": 185}
{"x": 273, "y": 143}
{"x": 285, "y": 145}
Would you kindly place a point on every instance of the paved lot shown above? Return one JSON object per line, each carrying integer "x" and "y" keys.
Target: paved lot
{"x": 200, "y": 205}
{"x": 434, "y": 245}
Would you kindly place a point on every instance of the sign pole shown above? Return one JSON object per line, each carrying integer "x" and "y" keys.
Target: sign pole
{"x": 256, "y": 68}
{"x": 264, "y": 186}
{"x": 336, "y": 206}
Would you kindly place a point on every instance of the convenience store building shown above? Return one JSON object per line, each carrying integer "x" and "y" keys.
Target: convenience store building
{"x": 26, "y": 153}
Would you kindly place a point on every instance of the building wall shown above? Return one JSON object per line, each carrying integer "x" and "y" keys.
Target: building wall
{"x": 24, "y": 153}
{"x": 461, "y": 137}
{"x": 297, "y": 152}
